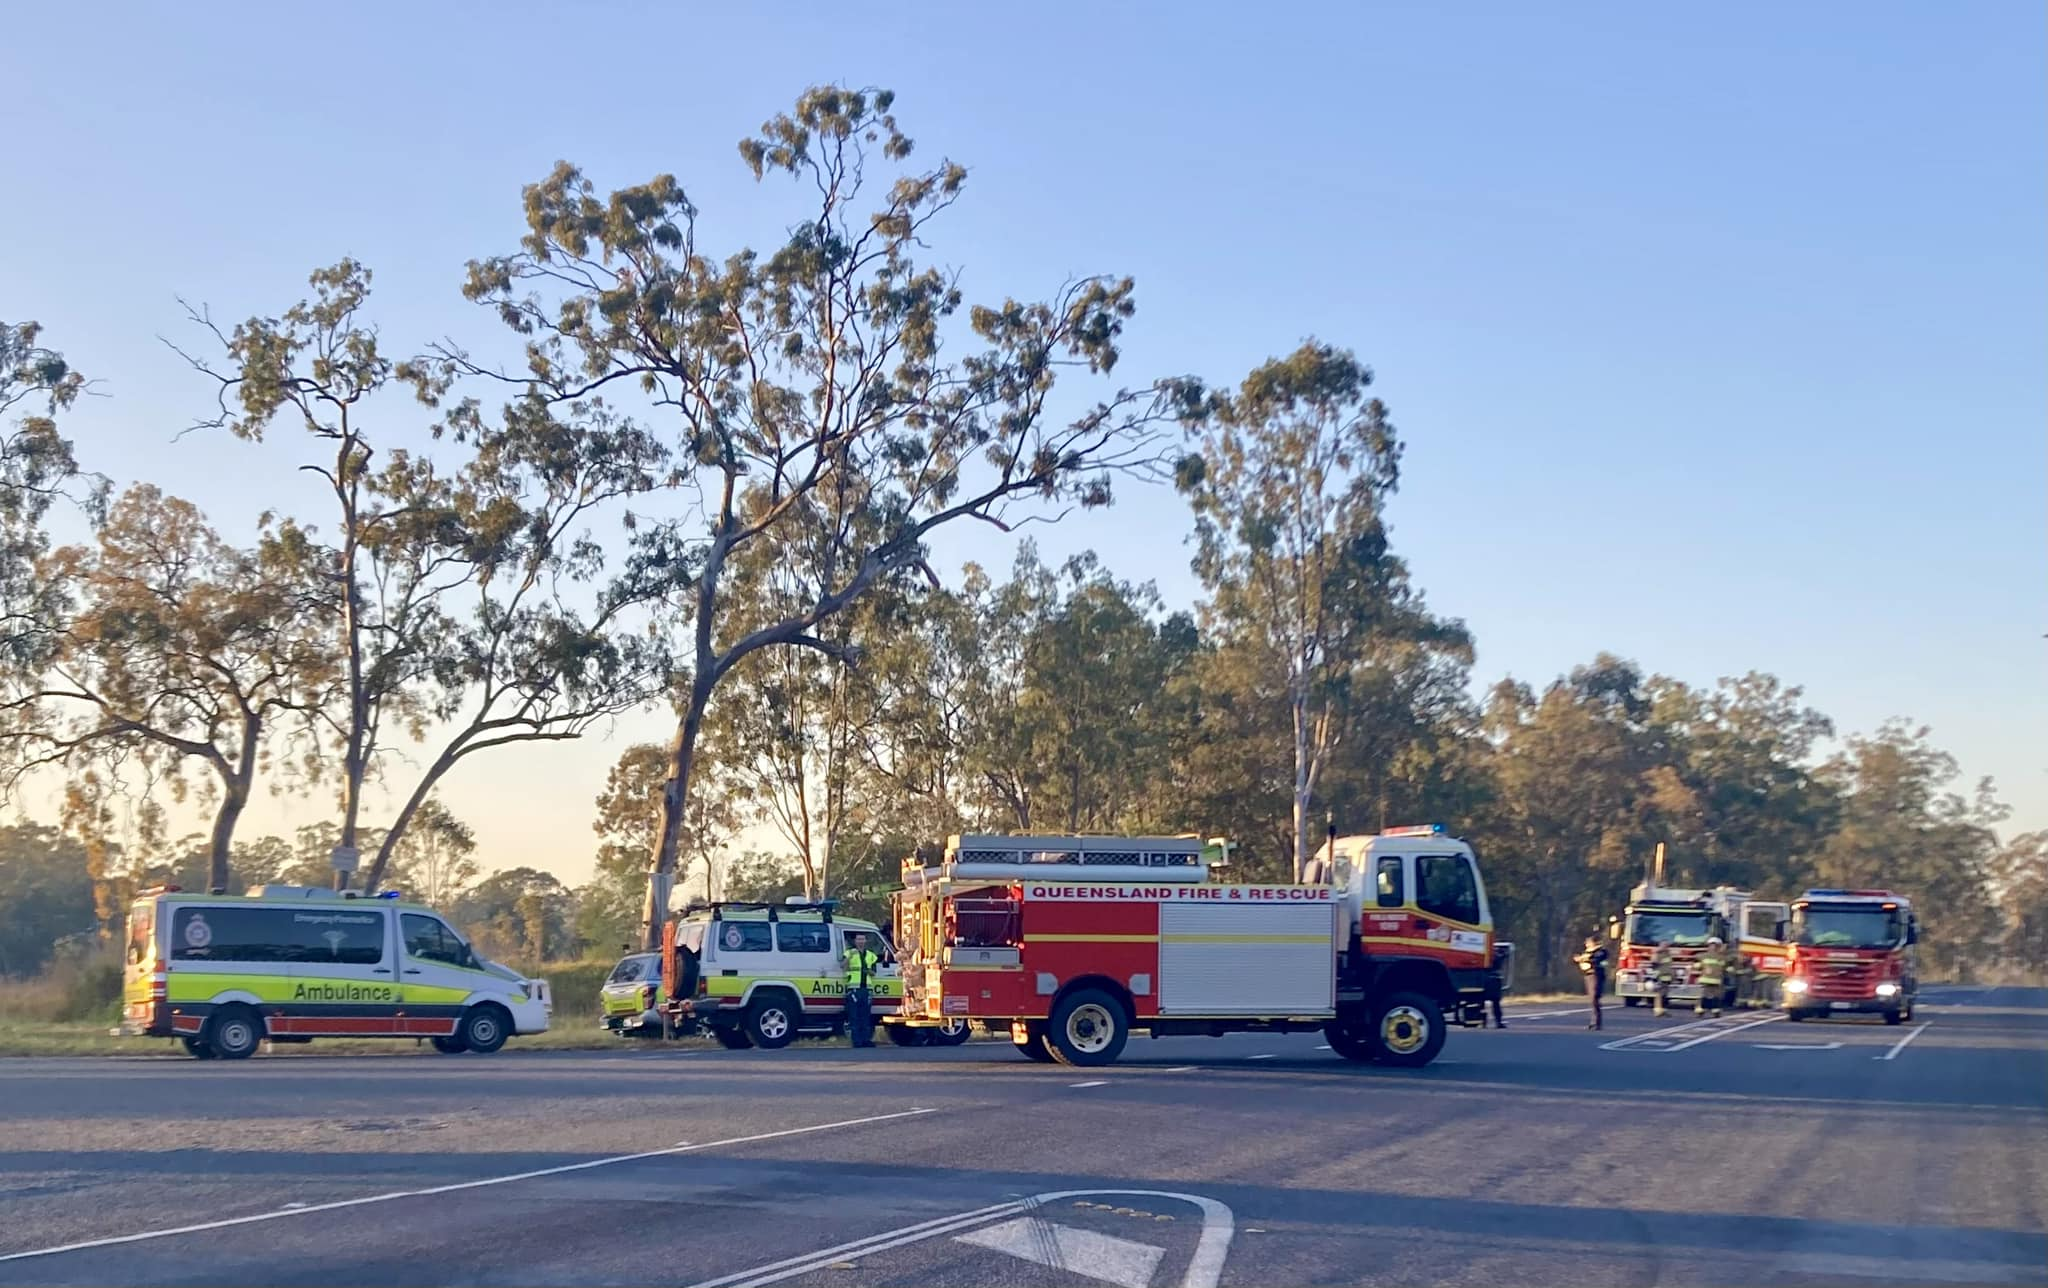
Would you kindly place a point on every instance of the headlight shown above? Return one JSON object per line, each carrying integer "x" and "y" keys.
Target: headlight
{"x": 1886, "y": 990}
{"x": 1795, "y": 986}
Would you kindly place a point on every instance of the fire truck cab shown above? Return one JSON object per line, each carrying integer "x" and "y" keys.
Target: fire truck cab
{"x": 1852, "y": 951}
{"x": 1681, "y": 922}
{"x": 1074, "y": 942}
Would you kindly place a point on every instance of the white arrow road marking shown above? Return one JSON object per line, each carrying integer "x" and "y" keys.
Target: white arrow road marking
{"x": 1795, "y": 1046}
{"x": 1123, "y": 1262}
{"x": 1900, "y": 1045}
{"x": 1205, "y": 1268}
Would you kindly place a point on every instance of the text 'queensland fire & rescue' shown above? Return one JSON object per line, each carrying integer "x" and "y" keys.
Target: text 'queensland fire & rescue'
{"x": 1183, "y": 893}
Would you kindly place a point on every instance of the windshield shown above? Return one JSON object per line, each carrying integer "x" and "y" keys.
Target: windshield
{"x": 1848, "y": 927}
{"x": 634, "y": 969}
{"x": 1679, "y": 929}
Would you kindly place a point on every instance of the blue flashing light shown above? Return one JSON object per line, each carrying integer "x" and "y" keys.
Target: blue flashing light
{"x": 387, "y": 894}
{"x": 1420, "y": 829}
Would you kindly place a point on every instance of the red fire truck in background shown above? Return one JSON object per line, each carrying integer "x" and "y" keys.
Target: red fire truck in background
{"x": 1075, "y": 942}
{"x": 1681, "y": 921}
{"x": 1852, "y": 951}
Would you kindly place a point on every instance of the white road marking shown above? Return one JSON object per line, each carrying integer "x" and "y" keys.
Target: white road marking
{"x": 1900, "y": 1045}
{"x": 1324, "y": 1047}
{"x": 1544, "y": 1015}
{"x": 1205, "y": 1268}
{"x": 1181, "y": 1068}
{"x": 1123, "y": 1262}
{"x": 1263, "y": 1055}
{"x": 1795, "y": 1046}
{"x": 450, "y": 1189}
{"x": 1681, "y": 1036}
{"x": 1097, "y": 1083}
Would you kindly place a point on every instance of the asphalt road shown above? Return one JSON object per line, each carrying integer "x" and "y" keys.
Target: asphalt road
{"x": 1747, "y": 1150}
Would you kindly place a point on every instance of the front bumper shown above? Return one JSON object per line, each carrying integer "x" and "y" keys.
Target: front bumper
{"x": 1636, "y": 984}
{"x": 1842, "y": 1005}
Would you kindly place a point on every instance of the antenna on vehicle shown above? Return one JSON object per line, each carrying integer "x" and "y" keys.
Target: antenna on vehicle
{"x": 1658, "y": 878}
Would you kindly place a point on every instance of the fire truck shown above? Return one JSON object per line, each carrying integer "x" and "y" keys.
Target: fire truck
{"x": 1682, "y": 921}
{"x": 1852, "y": 951}
{"x": 1075, "y": 942}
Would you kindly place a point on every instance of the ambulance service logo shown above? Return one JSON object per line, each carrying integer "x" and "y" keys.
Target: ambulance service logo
{"x": 733, "y": 937}
{"x": 197, "y": 933}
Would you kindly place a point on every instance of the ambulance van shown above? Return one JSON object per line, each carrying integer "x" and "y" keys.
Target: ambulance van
{"x": 292, "y": 963}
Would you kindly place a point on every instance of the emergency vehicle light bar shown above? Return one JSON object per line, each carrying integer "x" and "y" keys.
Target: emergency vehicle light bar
{"x": 1420, "y": 829}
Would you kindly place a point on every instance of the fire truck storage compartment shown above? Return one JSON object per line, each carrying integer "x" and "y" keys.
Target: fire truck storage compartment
{"x": 1228, "y": 958}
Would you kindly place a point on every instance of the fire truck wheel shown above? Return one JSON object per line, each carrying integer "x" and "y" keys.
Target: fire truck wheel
{"x": 772, "y": 1020}
{"x": 1895, "y": 1017}
{"x": 1408, "y": 1029}
{"x": 731, "y": 1037}
{"x": 1088, "y": 1028}
{"x": 1795, "y": 1017}
{"x": 1034, "y": 1047}
{"x": 952, "y": 1032}
{"x": 905, "y": 1036}
{"x": 1348, "y": 1043}
{"x": 1631, "y": 1001}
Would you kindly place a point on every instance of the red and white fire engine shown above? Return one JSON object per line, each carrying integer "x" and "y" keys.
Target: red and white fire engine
{"x": 1076, "y": 941}
{"x": 1681, "y": 922}
{"x": 1852, "y": 951}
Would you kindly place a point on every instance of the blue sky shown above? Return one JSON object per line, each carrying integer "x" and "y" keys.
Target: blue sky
{"x": 1716, "y": 333}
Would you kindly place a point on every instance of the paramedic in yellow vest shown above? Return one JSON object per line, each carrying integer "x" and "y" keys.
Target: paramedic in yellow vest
{"x": 1713, "y": 967}
{"x": 860, "y": 983}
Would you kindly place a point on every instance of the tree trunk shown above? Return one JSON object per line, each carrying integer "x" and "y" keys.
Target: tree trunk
{"x": 675, "y": 795}
{"x": 1301, "y": 784}
{"x": 233, "y": 798}
{"x": 353, "y": 765}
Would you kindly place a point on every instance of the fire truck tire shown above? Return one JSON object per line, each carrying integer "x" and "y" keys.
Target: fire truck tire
{"x": 731, "y": 1037}
{"x": 1794, "y": 1016}
{"x": 1407, "y": 1030}
{"x": 1895, "y": 1017}
{"x": 952, "y": 1033}
{"x": 1631, "y": 1001}
{"x": 1348, "y": 1043}
{"x": 905, "y": 1036}
{"x": 772, "y": 1020}
{"x": 1034, "y": 1047}
{"x": 1088, "y": 1029}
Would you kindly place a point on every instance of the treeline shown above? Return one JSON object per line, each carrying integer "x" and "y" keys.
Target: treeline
{"x": 713, "y": 481}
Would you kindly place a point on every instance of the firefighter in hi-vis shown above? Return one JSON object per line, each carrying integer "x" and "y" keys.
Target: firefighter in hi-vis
{"x": 1713, "y": 968}
{"x": 1662, "y": 974}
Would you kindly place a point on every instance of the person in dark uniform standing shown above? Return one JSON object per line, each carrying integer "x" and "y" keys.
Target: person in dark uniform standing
{"x": 1592, "y": 963}
{"x": 1496, "y": 983}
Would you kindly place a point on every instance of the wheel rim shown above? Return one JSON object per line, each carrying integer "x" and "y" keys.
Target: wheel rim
{"x": 236, "y": 1034}
{"x": 483, "y": 1029}
{"x": 1090, "y": 1028}
{"x": 1403, "y": 1030}
{"x": 774, "y": 1023}
{"x": 952, "y": 1028}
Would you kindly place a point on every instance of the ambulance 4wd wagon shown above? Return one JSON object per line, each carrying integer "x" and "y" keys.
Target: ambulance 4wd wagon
{"x": 757, "y": 974}
{"x": 293, "y": 963}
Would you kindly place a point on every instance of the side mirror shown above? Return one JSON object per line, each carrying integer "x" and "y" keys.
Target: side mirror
{"x": 1780, "y": 935}
{"x": 1912, "y": 932}
{"x": 1614, "y": 928}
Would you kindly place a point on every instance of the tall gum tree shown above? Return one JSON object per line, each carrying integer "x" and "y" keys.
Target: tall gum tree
{"x": 1289, "y": 492}
{"x": 825, "y": 366}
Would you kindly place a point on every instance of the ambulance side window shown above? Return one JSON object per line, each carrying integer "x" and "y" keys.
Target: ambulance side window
{"x": 803, "y": 937}
{"x": 744, "y": 937}
{"x": 1391, "y": 889}
{"x": 426, "y": 939}
{"x": 1445, "y": 886}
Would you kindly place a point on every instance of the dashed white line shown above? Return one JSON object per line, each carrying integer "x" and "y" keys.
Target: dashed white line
{"x": 449, "y": 1189}
{"x": 1263, "y": 1055}
{"x": 1900, "y": 1045}
{"x": 1097, "y": 1083}
{"x": 1324, "y": 1047}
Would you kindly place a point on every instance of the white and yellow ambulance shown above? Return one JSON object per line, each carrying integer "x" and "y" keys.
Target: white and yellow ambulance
{"x": 293, "y": 963}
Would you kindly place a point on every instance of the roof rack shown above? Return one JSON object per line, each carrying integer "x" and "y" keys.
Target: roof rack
{"x": 718, "y": 907}
{"x": 998, "y": 857}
